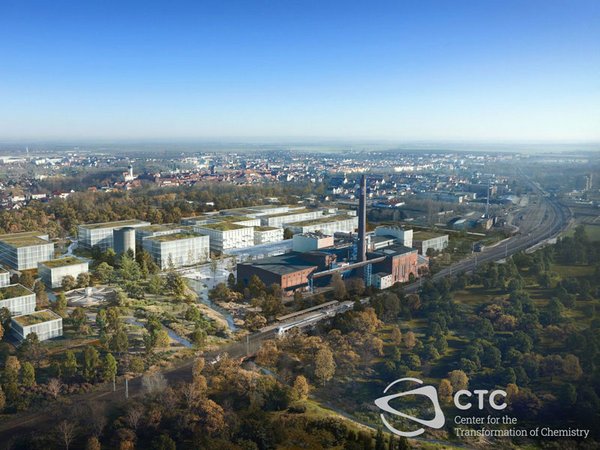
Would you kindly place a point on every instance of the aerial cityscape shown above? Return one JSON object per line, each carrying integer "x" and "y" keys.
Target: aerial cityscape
{"x": 206, "y": 244}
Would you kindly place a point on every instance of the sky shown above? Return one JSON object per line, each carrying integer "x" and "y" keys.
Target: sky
{"x": 480, "y": 70}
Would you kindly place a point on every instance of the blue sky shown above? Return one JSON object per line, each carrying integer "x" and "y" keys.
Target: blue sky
{"x": 402, "y": 70}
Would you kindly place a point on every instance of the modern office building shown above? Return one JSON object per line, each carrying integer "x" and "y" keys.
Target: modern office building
{"x": 405, "y": 237}
{"x": 283, "y": 218}
{"x": 239, "y": 220}
{"x": 101, "y": 234}
{"x": 23, "y": 251}
{"x": 158, "y": 230}
{"x": 4, "y": 277}
{"x": 327, "y": 225}
{"x": 46, "y": 324}
{"x": 52, "y": 272}
{"x": 267, "y": 235}
{"x": 425, "y": 240}
{"x": 178, "y": 249}
{"x": 17, "y": 299}
{"x": 227, "y": 236}
{"x": 124, "y": 240}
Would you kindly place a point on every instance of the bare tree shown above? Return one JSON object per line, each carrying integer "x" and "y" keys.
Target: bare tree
{"x": 67, "y": 431}
{"x": 134, "y": 416}
{"x": 154, "y": 383}
{"x": 54, "y": 387}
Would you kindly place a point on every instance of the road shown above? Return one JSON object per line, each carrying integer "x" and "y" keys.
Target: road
{"x": 546, "y": 220}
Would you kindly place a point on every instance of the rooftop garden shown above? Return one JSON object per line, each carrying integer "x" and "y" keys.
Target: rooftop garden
{"x": 222, "y": 226}
{"x": 265, "y": 228}
{"x": 174, "y": 237}
{"x": 14, "y": 290}
{"x": 320, "y": 220}
{"x": 35, "y": 318}
{"x": 425, "y": 235}
{"x": 61, "y": 262}
{"x": 116, "y": 224}
{"x": 24, "y": 239}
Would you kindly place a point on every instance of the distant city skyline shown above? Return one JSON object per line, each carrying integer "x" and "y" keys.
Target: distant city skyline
{"x": 414, "y": 71}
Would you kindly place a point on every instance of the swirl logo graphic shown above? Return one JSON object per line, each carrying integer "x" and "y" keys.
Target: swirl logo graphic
{"x": 430, "y": 392}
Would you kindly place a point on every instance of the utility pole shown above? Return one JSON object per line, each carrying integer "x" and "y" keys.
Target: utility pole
{"x": 114, "y": 383}
{"x": 247, "y": 345}
{"x": 126, "y": 388}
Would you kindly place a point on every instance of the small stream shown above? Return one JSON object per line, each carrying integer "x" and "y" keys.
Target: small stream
{"x": 198, "y": 287}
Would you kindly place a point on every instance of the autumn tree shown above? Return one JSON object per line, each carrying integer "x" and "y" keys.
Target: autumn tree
{"x": 41, "y": 297}
{"x": 67, "y": 431}
{"x": 339, "y": 287}
{"x": 68, "y": 282}
{"x": 445, "y": 390}
{"x": 324, "y": 365}
{"x": 458, "y": 379}
{"x": 300, "y": 388}
{"x": 396, "y": 335}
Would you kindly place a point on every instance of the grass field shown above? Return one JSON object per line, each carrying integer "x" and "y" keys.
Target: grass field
{"x": 592, "y": 230}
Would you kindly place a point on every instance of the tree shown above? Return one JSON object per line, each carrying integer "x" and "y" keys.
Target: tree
{"x": 256, "y": 287}
{"x": 130, "y": 269}
{"x": 198, "y": 337}
{"x": 104, "y": 272}
{"x": 571, "y": 367}
{"x": 54, "y": 387}
{"x": 66, "y": 432}
{"x": 2, "y": 400}
{"x": 12, "y": 368}
{"x": 231, "y": 281}
{"x": 339, "y": 287}
{"x": 155, "y": 284}
{"x": 1, "y": 331}
{"x": 300, "y": 388}
{"x": 26, "y": 279}
{"x": 119, "y": 341}
{"x": 68, "y": 282}
{"x": 110, "y": 367}
{"x": 324, "y": 365}
{"x": 70, "y": 365}
{"x": 459, "y": 380}
{"x": 379, "y": 440}
{"x": 445, "y": 390}
{"x": 93, "y": 444}
{"x": 83, "y": 280}
{"x": 288, "y": 233}
{"x": 60, "y": 306}
{"x": 41, "y": 297}
{"x": 165, "y": 443}
{"x": 91, "y": 362}
{"x": 28, "y": 375}
{"x": 410, "y": 340}
{"x": 396, "y": 335}
{"x": 255, "y": 322}
{"x": 78, "y": 318}
{"x": 212, "y": 416}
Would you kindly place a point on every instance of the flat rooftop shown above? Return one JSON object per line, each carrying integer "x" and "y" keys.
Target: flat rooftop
{"x": 14, "y": 290}
{"x": 282, "y": 264}
{"x": 234, "y": 218}
{"x": 61, "y": 262}
{"x": 174, "y": 237}
{"x": 265, "y": 228}
{"x": 221, "y": 226}
{"x": 320, "y": 220}
{"x": 160, "y": 227}
{"x": 425, "y": 235}
{"x": 37, "y": 317}
{"x": 115, "y": 224}
{"x": 395, "y": 250}
{"x": 24, "y": 239}
{"x": 291, "y": 213}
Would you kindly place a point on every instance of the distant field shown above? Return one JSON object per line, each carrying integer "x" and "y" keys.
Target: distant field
{"x": 593, "y": 231}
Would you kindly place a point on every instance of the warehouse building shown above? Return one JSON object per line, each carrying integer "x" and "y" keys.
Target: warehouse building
{"x": 178, "y": 249}
{"x": 227, "y": 236}
{"x": 291, "y": 271}
{"x": 52, "y": 272}
{"x": 101, "y": 234}
{"x": 45, "y": 324}
{"x": 404, "y": 237}
{"x": 401, "y": 262}
{"x": 425, "y": 240}
{"x": 311, "y": 241}
{"x": 17, "y": 299}
{"x": 23, "y": 251}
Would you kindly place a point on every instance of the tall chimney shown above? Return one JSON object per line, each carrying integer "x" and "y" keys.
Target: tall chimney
{"x": 362, "y": 220}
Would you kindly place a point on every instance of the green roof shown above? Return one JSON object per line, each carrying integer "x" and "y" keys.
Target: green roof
{"x": 36, "y": 317}
{"x": 160, "y": 227}
{"x": 14, "y": 290}
{"x": 291, "y": 213}
{"x": 265, "y": 228}
{"x": 221, "y": 226}
{"x": 24, "y": 239}
{"x": 174, "y": 237}
{"x": 320, "y": 220}
{"x": 115, "y": 224}
{"x": 234, "y": 218}
{"x": 61, "y": 262}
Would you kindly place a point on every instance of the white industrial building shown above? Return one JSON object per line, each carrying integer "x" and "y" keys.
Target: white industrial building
{"x": 17, "y": 299}
{"x": 157, "y": 230}
{"x": 227, "y": 236}
{"x": 52, "y": 272}
{"x": 382, "y": 280}
{"x": 309, "y": 242}
{"x": 405, "y": 237}
{"x": 101, "y": 234}
{"x": 45, "y": 324}
{"x": 425, "y": 240}
{"x": 178, "y": 249}
{"x": 4, "y": 277}
{"x": 267, "y": 235}
{"x": 329, "y": 225}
